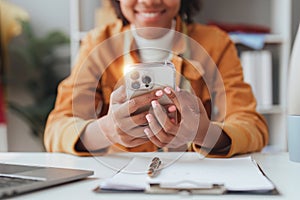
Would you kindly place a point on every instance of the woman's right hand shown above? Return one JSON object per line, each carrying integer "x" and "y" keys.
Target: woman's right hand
{"x": 122, "y": 124}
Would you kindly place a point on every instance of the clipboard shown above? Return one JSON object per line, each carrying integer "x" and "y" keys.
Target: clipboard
{"x": 191, "y": 175}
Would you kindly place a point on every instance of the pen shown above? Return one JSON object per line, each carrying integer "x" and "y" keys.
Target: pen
{"x": 154, "y": 167}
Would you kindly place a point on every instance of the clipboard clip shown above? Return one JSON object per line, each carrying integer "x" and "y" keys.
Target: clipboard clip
{"x": 186, "y": 184}
{"x": 185, "y": 187}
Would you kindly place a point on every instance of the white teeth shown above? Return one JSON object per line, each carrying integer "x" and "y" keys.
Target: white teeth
{"x": 150, "y": 15}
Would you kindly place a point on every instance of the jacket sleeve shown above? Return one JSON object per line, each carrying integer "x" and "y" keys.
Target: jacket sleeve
{"x": 246, "y": 128}
{"x": 75, "y": 103}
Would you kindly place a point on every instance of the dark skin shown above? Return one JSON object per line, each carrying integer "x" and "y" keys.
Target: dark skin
{"x": 164, "y": 132}
{"x": 121, "y": 126}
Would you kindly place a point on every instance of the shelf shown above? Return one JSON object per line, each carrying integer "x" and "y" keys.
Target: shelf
{"x": 273, "y": 109}
{"x": 269, "y": 39}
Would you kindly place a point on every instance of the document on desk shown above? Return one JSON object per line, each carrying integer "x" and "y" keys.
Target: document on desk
{"x": 235, "y": 174}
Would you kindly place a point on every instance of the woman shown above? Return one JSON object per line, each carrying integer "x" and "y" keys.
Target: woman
{"x": 93, "y": 115}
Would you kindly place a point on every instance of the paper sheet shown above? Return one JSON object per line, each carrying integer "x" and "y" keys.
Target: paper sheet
{"x": 236, "y": 174}
{"x": 131, "y": 177}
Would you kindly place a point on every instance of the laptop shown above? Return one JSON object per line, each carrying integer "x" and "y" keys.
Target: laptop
{"x": 18, "y": 179}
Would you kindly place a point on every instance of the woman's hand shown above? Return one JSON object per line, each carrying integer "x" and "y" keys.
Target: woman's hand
{"x": 124, "y": 124}
{"x": 192, "y": 124}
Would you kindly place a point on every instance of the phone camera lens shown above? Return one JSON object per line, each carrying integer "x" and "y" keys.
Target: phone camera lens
{"x": 134, "y": 75}
{"x": 135, "y": 85}
{"x": 146, "y": 80}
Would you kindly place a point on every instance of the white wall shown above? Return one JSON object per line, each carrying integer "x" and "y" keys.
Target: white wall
{"x": 45, "y": 16}
{"x": 295, "y": 17}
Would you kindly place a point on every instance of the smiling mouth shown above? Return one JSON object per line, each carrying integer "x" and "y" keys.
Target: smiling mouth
{"x": 150, "y": 15}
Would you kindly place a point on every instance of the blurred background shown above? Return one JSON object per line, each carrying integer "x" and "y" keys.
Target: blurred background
{"x": 40, "y": 40}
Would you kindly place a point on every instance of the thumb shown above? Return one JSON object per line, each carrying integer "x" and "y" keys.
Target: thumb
{"x": 118, "y": 95}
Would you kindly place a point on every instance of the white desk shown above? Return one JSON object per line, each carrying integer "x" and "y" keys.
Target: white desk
{"x": 284, "y": 173}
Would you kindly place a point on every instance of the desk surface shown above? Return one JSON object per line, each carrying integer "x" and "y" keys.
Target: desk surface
{"x": 284, "y": 174}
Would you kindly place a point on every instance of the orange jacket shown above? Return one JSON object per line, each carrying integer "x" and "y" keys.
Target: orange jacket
{"x": 84, "y": 95}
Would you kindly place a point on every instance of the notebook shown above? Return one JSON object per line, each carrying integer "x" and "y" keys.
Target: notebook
{"x": 190, "y": 173}
{"x": 18, "y": 179}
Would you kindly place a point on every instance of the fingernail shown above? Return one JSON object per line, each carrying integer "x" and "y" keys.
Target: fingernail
{"x": 147, "y": 131}
{"x": 159, "y": 93}
{"x": 149, "y": 118}
{"x": 172, "y": 108}
{"x": 177, "y": 89}
{"x": 167, "y": 90}
{"x": 154, "y": 104}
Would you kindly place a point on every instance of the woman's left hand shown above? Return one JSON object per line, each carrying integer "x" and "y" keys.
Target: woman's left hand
{"x": 192, "y": 124}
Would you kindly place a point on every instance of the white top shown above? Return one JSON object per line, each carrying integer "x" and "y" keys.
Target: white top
{"x": 155, "y": 50}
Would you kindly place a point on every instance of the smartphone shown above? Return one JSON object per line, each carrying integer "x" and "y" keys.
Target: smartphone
{"x": 142, "y": 78}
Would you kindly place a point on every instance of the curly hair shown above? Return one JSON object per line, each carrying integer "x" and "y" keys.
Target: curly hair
{"x": 188, "y": 9}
